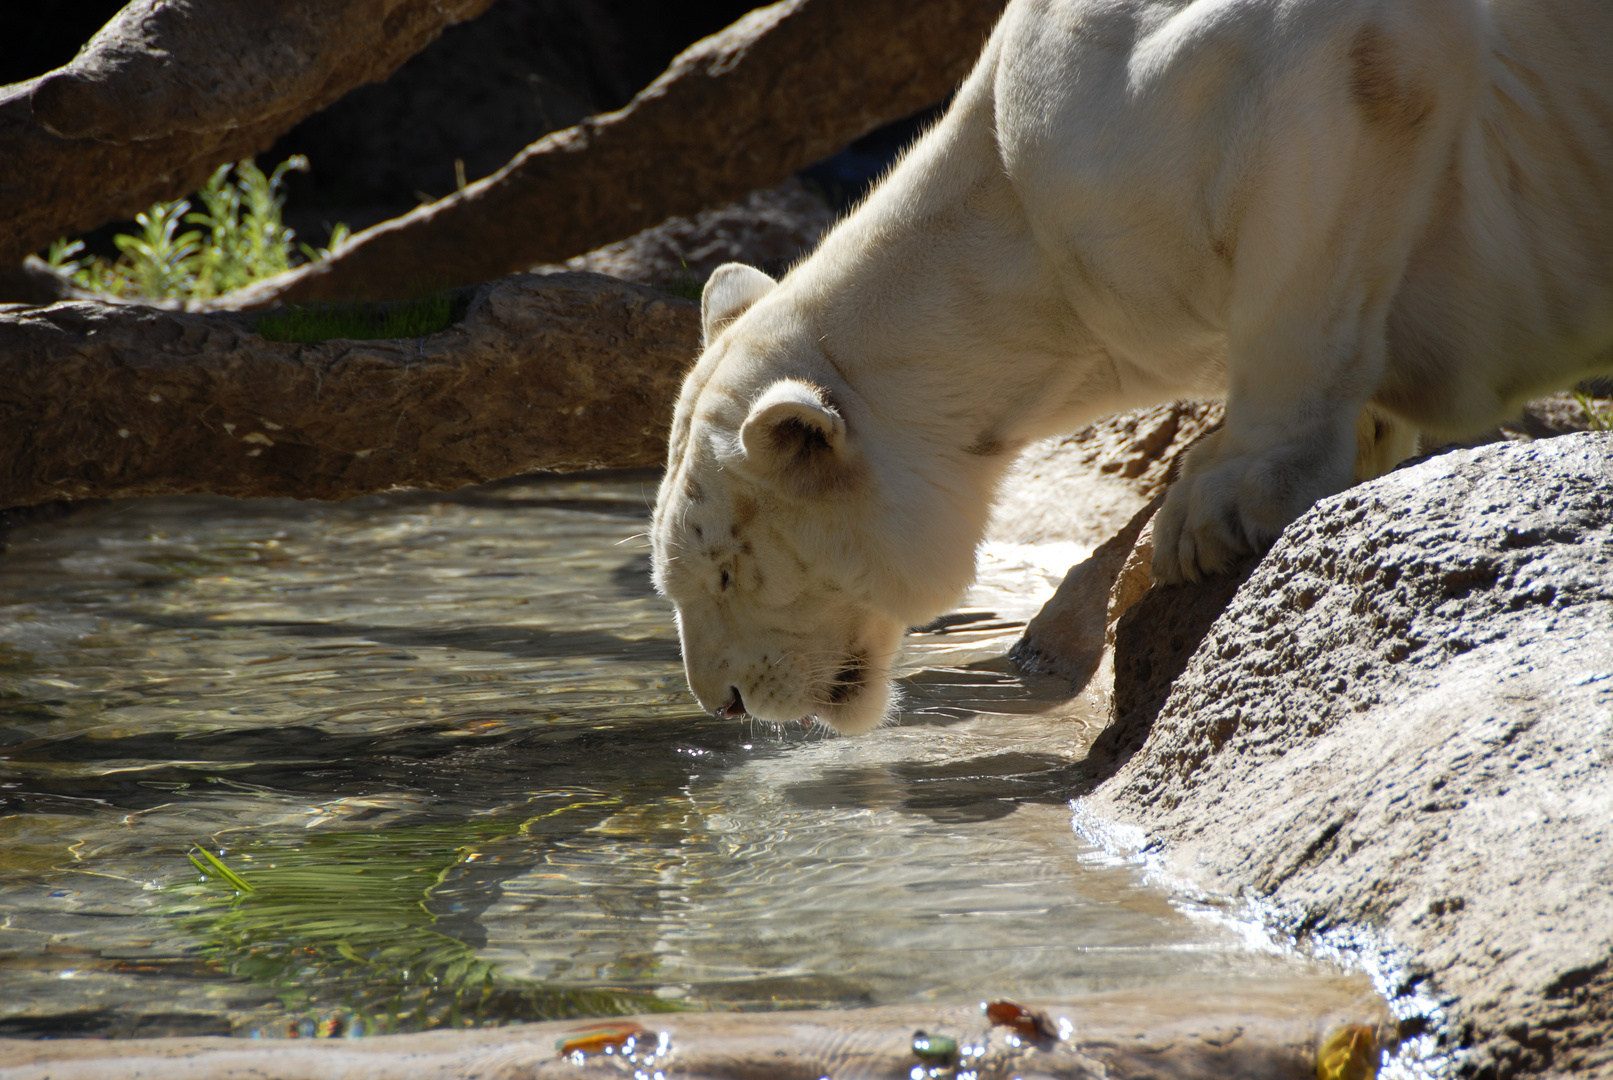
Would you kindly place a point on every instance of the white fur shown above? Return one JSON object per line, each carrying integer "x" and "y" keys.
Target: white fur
{"x": 1311, "y": 207}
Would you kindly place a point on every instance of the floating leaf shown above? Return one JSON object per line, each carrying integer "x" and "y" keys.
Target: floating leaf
{"x": 1350, "y": 1053}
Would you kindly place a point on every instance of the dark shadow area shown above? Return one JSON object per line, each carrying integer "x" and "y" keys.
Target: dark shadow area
{"x": 459, "y": 773}
{"x": 633, "y": 578}
{"x": 1153, "y": 643}
{"x": 18, "y": 517}
{"x": 113, "y": 1024}
{"x": 843, "y": 180}
{"x": 952, "y": 792}
{"x": 45, "y": 34}
{"x": 523, "y": 642}
{"x": 478, "y": 95}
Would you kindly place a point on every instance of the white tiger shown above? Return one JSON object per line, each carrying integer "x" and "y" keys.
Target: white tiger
{"x": 1311, "y": 207}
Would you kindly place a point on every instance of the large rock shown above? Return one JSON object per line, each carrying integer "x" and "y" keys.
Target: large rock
{"x": 1153, "y": 633}
{"x": 557, "y": 372}
{"x": 1405, "y": 719}
{"x": 1084, "y": 487}
{"x": 743, "y": 109}
{"x": 770, "y": 230}
{"x": 1099, "y": 487}
{"x": 1072, "y": 632}
{"x": 166, "y": 92}
{"x": 478, "y": 94}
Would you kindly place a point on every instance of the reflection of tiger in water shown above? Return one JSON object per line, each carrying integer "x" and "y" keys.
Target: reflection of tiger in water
{"x": 1312, "y": 208}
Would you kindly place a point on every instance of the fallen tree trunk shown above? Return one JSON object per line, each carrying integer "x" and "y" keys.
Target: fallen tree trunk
{"x": 561, "y": 372}
{"x": 787, "y": 85}
{"x": 171, "y": 89}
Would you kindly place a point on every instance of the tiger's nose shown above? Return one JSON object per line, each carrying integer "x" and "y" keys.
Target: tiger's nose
{"x": 734, "y": 707}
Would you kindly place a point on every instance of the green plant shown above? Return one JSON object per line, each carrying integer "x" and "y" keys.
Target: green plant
{"x": 212, "y": 866}
{"x": 242, "y": 240}
{"x": 1598, "y": 413}
{"x": 340, "y": 234}
{"x": 159, "y": 261}
{"x": 311, "y": 323}
{"x": 685, "y": 284}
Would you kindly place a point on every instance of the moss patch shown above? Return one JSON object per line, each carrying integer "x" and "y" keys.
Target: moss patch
{"x": 307, "y": 324}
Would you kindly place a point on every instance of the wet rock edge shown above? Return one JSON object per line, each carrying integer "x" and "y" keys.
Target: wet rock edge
{"x": 1403, "y": 720}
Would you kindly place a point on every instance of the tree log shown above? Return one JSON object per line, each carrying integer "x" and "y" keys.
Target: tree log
{"x": 171, "y": 89}
{"x": 559, "y": 372}
{"x": 787, "y": 85}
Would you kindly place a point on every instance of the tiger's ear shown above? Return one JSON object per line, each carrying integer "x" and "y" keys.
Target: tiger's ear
{"x": 797, "y": 438}
{"x": 729, "y": 293}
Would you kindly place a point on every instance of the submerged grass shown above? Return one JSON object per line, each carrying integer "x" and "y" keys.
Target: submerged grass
{"x": 213, "y": 865}
{"x": 312, "y": 323}
{"x": 340, "y": 924}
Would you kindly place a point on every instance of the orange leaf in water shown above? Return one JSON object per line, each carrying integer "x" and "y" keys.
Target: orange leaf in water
{"x": 1350, "y": 1053}
{"x": 594, "y": 1040}
{"x": 1026, "y": 1022}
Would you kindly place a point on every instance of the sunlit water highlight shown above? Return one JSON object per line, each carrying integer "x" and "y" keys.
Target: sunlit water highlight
{"x": 447, "y": 740}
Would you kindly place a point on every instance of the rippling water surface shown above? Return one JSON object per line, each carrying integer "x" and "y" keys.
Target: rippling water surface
{"x": 446, "y": 742}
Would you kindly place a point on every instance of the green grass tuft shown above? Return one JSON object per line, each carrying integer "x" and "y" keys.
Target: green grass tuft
{"x": 308, "y": 324}
{"x": 685, "y": 284}
{"x": 1598, "y": 413}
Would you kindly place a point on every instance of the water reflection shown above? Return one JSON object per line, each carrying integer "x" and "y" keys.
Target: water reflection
{"x": 446, "y": 741}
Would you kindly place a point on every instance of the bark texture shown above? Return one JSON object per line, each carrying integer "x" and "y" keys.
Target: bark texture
{"x": 560, "y": 372}
{"x": 171, "y": 89}
{"x": 787, "y": 85}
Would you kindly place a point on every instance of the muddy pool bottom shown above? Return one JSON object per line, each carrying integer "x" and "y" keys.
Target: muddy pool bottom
{"x": 421, "y": 761}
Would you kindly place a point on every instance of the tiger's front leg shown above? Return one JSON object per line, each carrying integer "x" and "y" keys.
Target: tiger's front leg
{"x": 1333, "y": 212}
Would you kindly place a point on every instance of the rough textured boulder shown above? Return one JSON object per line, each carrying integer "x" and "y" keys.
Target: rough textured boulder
{"x": 169, "y": 90}
{"x": 1070, "y": 634}
{"x": 1405, "y": 719}
{"x": 769, "y": 229}
{"x": 561, "y": 371}
{"x": 1085, "y": 486}
{"x": 1101, "y": 486}
{"x": 478, "y": 94}
{"x": 1075, "y": 485}
{"x": 742, "y": 109}
{"x": 1154, "y": 635}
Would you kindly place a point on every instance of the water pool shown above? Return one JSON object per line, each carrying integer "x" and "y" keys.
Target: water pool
{"x": 446, "y": 741}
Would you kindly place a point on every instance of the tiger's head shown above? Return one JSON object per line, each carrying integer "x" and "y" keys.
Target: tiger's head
{"x": 790, "y": 532}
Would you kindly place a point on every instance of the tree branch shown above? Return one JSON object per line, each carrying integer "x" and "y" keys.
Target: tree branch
{"x": 787, "y": 85}
{"x": 171, "y": 89}
{"x": 560, "y": 372}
